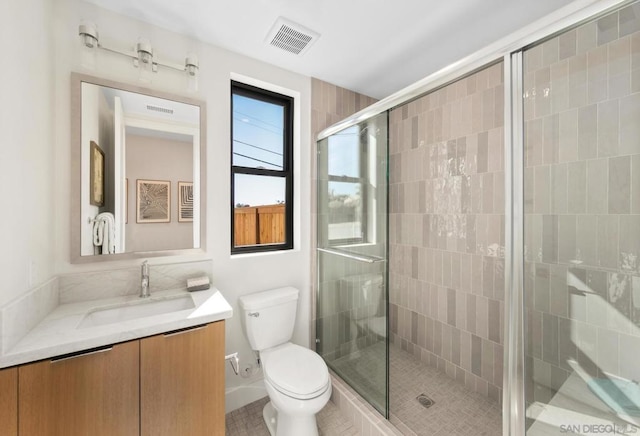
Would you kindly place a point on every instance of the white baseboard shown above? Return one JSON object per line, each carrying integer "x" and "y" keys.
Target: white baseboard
{"x": 239, "y": 396}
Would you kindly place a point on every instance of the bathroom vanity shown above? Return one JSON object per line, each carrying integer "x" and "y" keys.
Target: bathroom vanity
{"x": 83, "y": 354}
{"x": 84, "y": 370}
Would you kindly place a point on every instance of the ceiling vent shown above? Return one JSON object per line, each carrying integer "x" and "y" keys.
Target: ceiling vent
{"x": 160, "y": 109}
{"x": 292, "y": 37}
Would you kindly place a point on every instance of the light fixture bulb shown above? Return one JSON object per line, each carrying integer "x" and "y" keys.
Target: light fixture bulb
{"x": 89, "y": 45}
{"x": 89, "y": 41}
{"x": 191, "y": 67}
{"x": 191, "y": 64}
{"x": 145, "y": 52}
{"x": 145, "y": 60}
{"x": 89, "y": 34}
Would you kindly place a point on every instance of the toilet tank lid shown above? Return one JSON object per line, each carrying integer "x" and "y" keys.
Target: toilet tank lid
{"x": 359, "y": 278}
{"x": 263, "y": 299}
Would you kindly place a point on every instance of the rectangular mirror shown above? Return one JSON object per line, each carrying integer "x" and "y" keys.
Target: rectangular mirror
{"x": 138, "y": 172}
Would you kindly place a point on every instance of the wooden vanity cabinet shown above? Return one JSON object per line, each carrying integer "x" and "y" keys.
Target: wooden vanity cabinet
{"x": 94, "y": 393}
{"x": 182, "y": 382}
{"x": 166, "y": 385}
{"x": 9, "y": 401}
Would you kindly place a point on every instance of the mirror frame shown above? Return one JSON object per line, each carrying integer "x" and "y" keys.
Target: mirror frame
{"x": 75, "y": 220}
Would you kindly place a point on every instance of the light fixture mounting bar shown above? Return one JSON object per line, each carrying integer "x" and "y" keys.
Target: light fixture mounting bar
{"x": 143, "y": 52}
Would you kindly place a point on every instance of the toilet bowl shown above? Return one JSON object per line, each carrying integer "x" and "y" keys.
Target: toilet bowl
{"x": 296, "y": 378}
{"x": 298, "y": 384}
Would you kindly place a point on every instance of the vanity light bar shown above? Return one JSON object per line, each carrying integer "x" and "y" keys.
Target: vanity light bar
{"x": 143, "y": 54}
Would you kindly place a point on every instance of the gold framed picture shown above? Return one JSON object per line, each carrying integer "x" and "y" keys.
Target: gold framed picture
{"x": 153, "y": 203}
{"x": 96, "y": 175}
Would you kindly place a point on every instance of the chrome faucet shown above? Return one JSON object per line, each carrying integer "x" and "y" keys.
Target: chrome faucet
{"x": 144, "y": 283}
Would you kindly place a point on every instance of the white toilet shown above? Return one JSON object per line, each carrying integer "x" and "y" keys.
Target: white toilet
{"x": 361, "y": 296}
{"x": 296, "y": 378}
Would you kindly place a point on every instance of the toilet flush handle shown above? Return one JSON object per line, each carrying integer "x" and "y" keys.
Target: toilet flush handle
{"x": 254, "y": 314}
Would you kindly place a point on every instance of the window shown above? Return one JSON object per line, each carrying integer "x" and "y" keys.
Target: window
{"x": 347, "y": 187}
{"x": 261, "y": 170}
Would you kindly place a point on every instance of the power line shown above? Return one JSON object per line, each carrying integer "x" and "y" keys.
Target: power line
{"x": 259, "y": 148}
{"x": 245, "y": 118}
{"x": 259, "y": 120}
{"x": 260, "y": 127}
{"x": 257, "y": 160}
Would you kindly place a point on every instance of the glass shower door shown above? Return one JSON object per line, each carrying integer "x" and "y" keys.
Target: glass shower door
{"x": 351, "y": 324}
{"x": 582, "y": 229}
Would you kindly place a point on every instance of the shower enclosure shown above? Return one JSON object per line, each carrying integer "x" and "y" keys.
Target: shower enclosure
{"x": 352, "y": 250}
{"x": 582, "y": 227}
{"x": 503, "y": 295}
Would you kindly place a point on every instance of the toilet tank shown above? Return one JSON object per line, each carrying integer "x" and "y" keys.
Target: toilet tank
{"x": 268, "y": 317}
{"x": 362, "y": 295}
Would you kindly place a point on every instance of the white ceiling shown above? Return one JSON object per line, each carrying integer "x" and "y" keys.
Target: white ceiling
{"x": 375, "y": 47}
{"x": 182, "y": 116}
{"x": 137, "y": 104}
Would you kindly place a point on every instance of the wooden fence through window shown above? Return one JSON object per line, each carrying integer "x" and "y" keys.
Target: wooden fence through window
{"x": 256, "y": 225}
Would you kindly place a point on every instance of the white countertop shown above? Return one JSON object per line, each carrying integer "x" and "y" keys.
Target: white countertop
{"x": 57, "y": 334}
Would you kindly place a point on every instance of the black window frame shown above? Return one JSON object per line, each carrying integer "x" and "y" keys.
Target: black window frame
{"x": 287, "y": 102}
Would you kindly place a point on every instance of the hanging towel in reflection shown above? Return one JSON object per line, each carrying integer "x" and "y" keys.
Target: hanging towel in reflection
{"x": 104, "y": 232}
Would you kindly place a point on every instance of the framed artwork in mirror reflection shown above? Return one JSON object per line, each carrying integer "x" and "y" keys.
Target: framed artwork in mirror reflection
{"x": 153, "y": 201}
{"x": 185, "y": 202}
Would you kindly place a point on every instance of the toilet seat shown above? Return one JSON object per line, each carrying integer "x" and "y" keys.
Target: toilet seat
{"x": 295, "y": 371}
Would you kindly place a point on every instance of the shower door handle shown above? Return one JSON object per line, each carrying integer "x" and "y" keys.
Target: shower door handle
{"x": 353, "y": 256}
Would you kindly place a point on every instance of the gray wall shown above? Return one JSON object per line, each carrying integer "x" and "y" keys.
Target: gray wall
{"x": 446, "y": 229}
{"x": 172, "y": 161}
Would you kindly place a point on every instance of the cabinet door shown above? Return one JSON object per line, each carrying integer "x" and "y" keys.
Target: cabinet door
{"x": 182, "y": 382}
{"x": 95, "y": 393}
{"x": 9, "y": 401}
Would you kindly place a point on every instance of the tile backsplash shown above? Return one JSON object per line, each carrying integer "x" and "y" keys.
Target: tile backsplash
{"x": 126, "y": 281}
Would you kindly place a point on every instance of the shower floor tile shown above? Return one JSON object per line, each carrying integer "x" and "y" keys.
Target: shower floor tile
{"x": 365, "y": 371}
{"x": 456, "y": 409}
{"x": 247, "y": 421}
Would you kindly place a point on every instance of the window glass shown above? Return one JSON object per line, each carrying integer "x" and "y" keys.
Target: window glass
{"x": 259, "y": 212}
{"x": 345, "y": 211}
{"x": 344, "y": 153}
{"x": 258, "y": 133}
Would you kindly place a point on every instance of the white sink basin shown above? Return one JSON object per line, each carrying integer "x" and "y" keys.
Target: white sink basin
{"x": 136, "y": 309}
